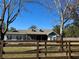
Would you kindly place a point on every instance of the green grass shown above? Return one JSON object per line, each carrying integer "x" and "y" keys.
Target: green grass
{"x": 18, "y": 49}
{"x": 18, "y": 55}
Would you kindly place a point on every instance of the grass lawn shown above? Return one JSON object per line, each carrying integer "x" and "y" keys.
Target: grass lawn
{"x": 18, "y": 55}
{"x": 18, "y": 49}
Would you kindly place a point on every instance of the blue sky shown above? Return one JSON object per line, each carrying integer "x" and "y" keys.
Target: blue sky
{"x": 39, "y": 16}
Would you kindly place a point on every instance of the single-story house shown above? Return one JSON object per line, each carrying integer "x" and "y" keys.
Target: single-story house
{"x": 31, "y": 34}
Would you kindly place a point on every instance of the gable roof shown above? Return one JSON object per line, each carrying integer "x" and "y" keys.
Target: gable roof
{"x": 44, "y": 32}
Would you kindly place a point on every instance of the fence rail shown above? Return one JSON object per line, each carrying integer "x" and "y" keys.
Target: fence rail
{"x": 33, "y": 43}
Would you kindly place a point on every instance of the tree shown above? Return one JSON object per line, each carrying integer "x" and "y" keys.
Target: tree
{"x": 66, "y": 12}
{"x": 9, "y": 13}
{"x": 72, "y": 31}
{"x": 62, "y": 11}
{"x": 57, "y": 29}
{"x": 12, "y": 29}
{"x": 33, "y": 27}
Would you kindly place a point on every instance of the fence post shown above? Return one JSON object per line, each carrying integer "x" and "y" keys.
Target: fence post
{"x": 69, "y": 51}
{"x": 37, "y": 49}
{"x": 66, "y": 49}
{"x": 45, "y": 48}
{"x": 1, "y": 49}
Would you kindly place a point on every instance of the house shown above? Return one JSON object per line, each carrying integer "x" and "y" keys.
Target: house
{"x": 31, "y": 34}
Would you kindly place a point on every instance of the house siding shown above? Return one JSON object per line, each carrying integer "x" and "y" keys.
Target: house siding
{"x": 15, "y": 37}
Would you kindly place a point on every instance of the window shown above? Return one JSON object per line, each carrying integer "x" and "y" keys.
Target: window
{"x": 9, "y": 37}
{"x": 24, "y": 37}
{"x": 18, "y": 37}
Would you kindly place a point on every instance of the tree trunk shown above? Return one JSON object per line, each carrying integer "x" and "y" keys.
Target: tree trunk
{"x": 1, "y": 43}
{"x": 61, "y": 31}
{"x": 61, "y": 47}
{"x": 2, "y": 36}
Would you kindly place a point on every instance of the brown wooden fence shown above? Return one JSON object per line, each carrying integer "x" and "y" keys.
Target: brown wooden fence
{"x": 47, "y": 44}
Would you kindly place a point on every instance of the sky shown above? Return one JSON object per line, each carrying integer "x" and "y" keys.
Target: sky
{"x": 37, "y": 15}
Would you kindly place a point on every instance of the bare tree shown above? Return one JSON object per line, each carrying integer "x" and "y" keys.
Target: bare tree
{"x": 10, "y": 10}
{"x": 61, "y": 12}
{"x": 65, "y": 11}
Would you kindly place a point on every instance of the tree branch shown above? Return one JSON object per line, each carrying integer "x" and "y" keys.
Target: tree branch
{"x": 66, "y": 6}
{"x": 14, "y": 17}
{"x": 6, "y": 29}
{"x": 8, "y": 4}
{"x": 4, "y": 10}
{"x": 9, "y": 14}
{"x": 66, "y": 21}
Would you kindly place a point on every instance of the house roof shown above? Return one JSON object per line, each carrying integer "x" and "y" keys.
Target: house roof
{"x": 17, "y": 32}
{"x": 44, "y": 32}
{"x": 38, "y": 32}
